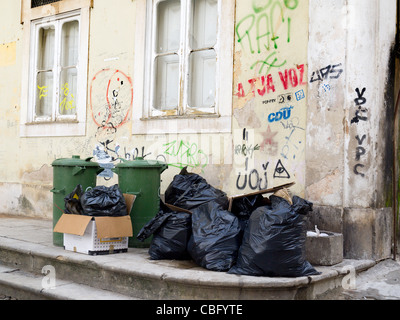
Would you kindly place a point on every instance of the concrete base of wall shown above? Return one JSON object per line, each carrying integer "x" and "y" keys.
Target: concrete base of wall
{"x": 367, "y": 233}
{"x": 30, "y": 200}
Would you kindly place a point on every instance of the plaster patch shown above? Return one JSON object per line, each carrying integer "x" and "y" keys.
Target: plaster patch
{"x": 246, "y": 116}
{"x": 44, "y": 174}
{"x": 8, "y": 54}
{"x": 326, "y": 190}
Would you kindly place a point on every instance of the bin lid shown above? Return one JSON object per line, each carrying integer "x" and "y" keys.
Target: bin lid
{"x": 75, "y": 161}
{"x": 140, "y": 162}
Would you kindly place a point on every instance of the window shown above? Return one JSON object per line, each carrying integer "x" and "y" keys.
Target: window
{"x": 55, "y": 71}
{"x": 38, "y": 3}
{"x": 188, "y": 52}
{"x": 54, "y": 78}
{"x": 187, "y": 67}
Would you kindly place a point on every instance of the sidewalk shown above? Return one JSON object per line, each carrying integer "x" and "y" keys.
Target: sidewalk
{"x": 26, "y": 245}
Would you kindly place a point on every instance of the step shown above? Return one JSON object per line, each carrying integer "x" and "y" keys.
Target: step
{"x": 26, "y": 245}
{"x": 22, "y": 285}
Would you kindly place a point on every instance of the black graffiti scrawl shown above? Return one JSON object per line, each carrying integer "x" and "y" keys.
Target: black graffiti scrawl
{"x": 360, "y": 115}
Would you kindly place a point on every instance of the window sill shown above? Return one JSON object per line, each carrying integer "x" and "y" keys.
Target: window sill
{"x": 174, "y": 125}
{"x": 61, "y": 129}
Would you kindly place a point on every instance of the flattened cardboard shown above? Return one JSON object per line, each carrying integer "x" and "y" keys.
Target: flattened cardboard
{"x": 264, "y": 191}
{"x": 177, "y": 209}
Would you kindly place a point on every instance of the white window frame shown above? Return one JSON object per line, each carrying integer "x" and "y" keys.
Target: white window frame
{"x": 218, "y": 121}
{"x": 32, "y": 19}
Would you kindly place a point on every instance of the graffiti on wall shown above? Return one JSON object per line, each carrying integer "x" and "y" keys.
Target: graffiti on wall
{"x": 177, "y": 153}
{"x": 253, "y": 173}
{"x": 111, "y": 98}
{"x": 289, "y": 78}
{"x": 111, "y": 101}
{"x": 328, "y": 72}
{"x": 185, "y": 154}
{"x": 264, "y": 29}
{"x": 360, "y": 115}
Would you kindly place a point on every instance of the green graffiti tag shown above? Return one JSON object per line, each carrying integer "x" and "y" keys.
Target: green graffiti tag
{"x": 268, "y": 25}
{"x": 187, "y": 154}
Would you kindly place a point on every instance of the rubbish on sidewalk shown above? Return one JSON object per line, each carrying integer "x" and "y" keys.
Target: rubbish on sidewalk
{"x": 73, "y": 201}
{"x": 244, "y": 234}
{"x": 215, "y": 237}
{"x": 67, "y": 174}
{"x": 274, "y": 240}
{"x": 317, "y": 233}
{"x": 171, "y": 230}
{"x": 102, "y": 201}
{"x": 97, "y": 235}
{"x": 189, "y": 190}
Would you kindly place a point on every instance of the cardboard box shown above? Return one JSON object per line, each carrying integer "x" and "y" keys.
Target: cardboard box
{"x": 96, "y": 235}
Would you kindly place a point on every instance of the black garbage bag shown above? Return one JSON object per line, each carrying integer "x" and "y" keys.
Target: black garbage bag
{"x": 274, "y": 240}
{"x": 104, "y": 201}
{"x": 189, "y": 190}
{"x": 171, "y": 232}
{"x": 216, "y": 237}
{"x": 244, "y": 206}
{"x": 72, "y": 201}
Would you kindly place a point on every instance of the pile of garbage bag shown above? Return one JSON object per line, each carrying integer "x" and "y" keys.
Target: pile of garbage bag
{"x": 257, "y": 236}
{"x": 99, "y": 201}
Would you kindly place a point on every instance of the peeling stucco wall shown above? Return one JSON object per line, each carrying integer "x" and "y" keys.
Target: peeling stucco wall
{"x": 270, "y": 90}
{"x": 348, "y": 141}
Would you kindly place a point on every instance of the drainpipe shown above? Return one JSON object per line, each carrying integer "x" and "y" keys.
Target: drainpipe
{"x": 394, "y": 183}
{"x": 394, "y": 179}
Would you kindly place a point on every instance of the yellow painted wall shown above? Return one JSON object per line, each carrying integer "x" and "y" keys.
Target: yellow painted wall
{"x": 270, "y": 89}
{"x": 264, "y": 150}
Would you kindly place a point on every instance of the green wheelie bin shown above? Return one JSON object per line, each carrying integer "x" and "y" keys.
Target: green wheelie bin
{"x": 142, "y": 178}
{"x": 67, "y": 174}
